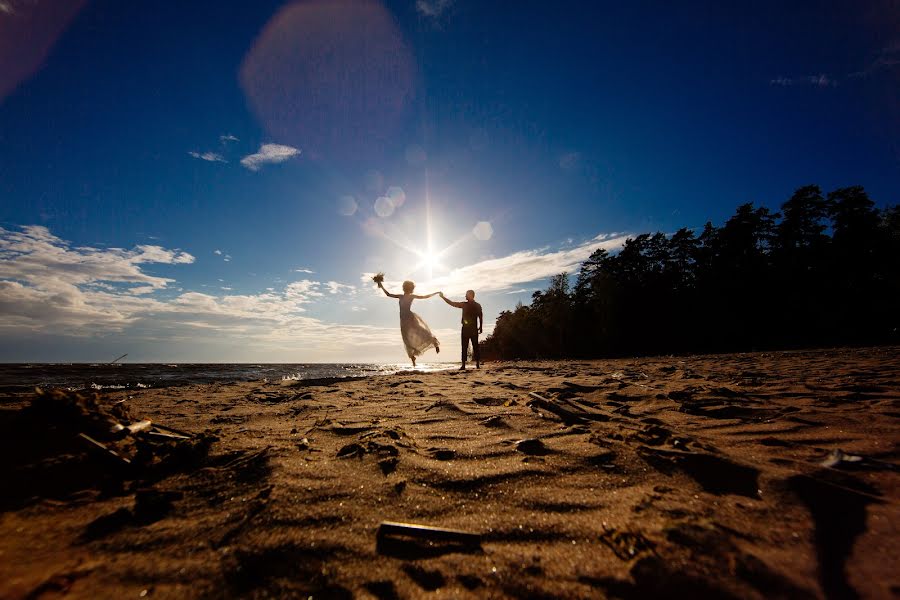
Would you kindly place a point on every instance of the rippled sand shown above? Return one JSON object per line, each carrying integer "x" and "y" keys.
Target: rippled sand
{"x": 668, "y": 476}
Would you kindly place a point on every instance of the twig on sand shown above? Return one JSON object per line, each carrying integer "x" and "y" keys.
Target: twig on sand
{"x": 567, "y": 416}
{"x": 319, "y": 423}
{"x": 571, "y": 413}
{"x": 101, "y": 446}
{"x": 426, "y": 532}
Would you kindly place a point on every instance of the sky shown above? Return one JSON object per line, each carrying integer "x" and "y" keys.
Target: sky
{"x": 217, "y": 182}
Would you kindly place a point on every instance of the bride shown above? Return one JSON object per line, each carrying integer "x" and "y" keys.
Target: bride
{"x": 417, "y": 337}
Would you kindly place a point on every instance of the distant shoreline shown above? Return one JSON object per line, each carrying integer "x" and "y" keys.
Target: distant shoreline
{"x": 24, "y": 377}
{"x": 20, "y": 378}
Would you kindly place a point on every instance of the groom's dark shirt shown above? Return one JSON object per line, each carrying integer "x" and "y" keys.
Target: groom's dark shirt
{"x": 471, "y": 312}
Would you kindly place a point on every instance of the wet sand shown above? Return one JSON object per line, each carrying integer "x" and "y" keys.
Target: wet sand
{"x": 703, "y": 476}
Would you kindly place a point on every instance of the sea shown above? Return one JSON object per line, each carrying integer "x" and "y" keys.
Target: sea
{"x": 20, "y": 377}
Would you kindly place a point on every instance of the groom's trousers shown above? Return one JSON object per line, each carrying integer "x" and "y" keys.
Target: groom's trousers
{"x": 473, "y": 336}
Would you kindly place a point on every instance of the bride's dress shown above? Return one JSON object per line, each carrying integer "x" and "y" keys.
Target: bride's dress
{"x": 417, "y": 337}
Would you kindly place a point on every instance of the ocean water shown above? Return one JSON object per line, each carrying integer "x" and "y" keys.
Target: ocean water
{"x": 80, "y": 376}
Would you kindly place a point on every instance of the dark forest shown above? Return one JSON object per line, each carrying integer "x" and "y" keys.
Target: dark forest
{"x": 824, "y": 271}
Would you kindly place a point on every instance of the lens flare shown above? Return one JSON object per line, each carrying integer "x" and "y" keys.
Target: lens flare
{"x": 483, "y": 231}
{"x": 384, "y": 207}
{"x": 347, "y": 205}
{"x": 397, "y": 196}
{"x": 333, "y": 77}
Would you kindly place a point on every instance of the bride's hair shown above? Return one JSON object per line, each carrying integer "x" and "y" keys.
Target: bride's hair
{"x": 408, "y": 287}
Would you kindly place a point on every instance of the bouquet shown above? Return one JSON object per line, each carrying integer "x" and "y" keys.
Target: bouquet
{"x": 378, "y": 278}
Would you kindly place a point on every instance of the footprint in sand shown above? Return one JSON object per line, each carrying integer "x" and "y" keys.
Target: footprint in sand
{"x": 489, "y": 401}
{"x": 387, "y": 454}
{"x": 442, "y": 453}
{"x": 496, "y": 421}
{"x": 426, "y": 579}
{"x": 532, "y": 447}
{"x": 714, "y": 473}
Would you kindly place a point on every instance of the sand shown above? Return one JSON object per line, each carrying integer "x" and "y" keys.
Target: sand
{"x": 700, "y": 476}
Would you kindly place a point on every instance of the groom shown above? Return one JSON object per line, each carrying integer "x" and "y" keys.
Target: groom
{"x": 471, "y": 312}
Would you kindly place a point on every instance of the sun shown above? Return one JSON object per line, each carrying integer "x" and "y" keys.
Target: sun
{"x": 430, "y": 257}
{"x": 430, "y": 260}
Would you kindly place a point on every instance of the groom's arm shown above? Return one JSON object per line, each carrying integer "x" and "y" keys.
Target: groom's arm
{"x": 480, "y": 319}
{"x": 451, "y": 302}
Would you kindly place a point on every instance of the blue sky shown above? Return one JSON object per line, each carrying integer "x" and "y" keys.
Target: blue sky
{"x": 204, "y": 182}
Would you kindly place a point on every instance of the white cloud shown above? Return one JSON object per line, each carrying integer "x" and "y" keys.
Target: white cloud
{"x": 334, "y": 287}
{"x": 570, "y": 161}
{"x": 157, "y": 254}
{"x": 141, "y": 290}
{"x": 32, "y": 254}
{"x": 52, "y": 288}
{"x": 275, "y": 320}
{"x": 269, "y": 154}
{"x": 888, "y": 58}
{"x": 219, "y": 252}
{"x": 820, "y": 81}
{"x": 228, "y": 138}
{"x": 48, "y": 286}
{"x": 208, "y": 156}
{"x": 303, "y": 291}
{"x": 309, "y": 271}
{"x": 433, "y": 8}
{"x": 514, "y": 270}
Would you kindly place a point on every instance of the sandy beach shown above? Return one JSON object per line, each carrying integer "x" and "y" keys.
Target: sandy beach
{"x": 757, "y": 475}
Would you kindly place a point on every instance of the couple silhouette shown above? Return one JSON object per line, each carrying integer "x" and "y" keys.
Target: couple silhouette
{"x": 417, "y": 336}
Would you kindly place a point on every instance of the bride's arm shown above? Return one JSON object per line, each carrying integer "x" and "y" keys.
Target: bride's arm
{"x": 387, "y": 293}
{"x": 425, "y": 297}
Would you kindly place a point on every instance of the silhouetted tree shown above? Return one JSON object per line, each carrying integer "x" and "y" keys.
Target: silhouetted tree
{"x": 756, "y": 282}
{"x": 802, "y": 230}
{"x": 801, "y": 255}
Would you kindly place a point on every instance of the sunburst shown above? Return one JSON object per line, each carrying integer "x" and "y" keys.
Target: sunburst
{"x": 429, "y": 259}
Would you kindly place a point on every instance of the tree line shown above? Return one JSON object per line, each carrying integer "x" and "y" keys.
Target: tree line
{"x": 823, "y": 271}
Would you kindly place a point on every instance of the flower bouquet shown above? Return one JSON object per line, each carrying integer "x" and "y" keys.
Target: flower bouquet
{"x": 378, "y": 278}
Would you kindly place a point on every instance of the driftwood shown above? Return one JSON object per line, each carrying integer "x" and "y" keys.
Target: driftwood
{"x": 101, "y": 446}
{"x": 139, "y": 426}
{"x": 166, "y": 435}
{"x": 168, "y": 429}
{"x": 569, "y": 411}
{"x": 147, "y": 427}
{"x": 425, "y": 532}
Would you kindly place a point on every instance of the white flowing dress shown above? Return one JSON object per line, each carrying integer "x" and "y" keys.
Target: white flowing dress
{"x": 417, "y": 337}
